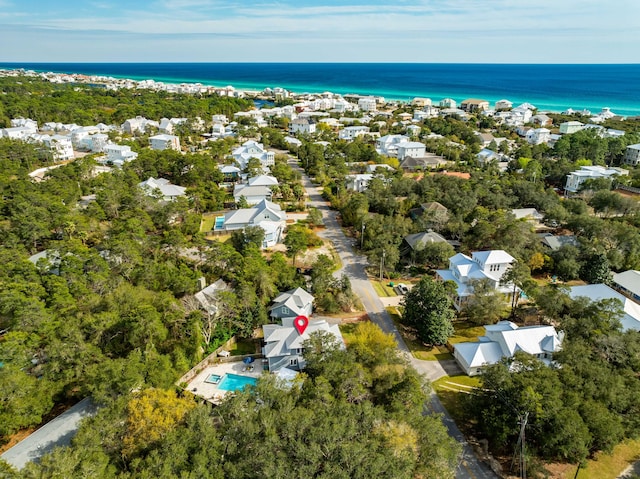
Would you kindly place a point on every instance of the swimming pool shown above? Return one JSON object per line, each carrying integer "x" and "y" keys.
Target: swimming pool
{"x": 219, "y": 223}
{"x": 234, "y": 382}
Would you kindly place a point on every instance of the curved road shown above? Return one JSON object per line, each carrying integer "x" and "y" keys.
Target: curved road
{"x": 353, "y": 266}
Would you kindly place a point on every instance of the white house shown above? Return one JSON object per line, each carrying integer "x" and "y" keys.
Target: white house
{"x": 595, "y": 292}
{"x": 413, "y": 149}
{"x": 388, "y": 144}
{"x": 448, "y": 103}
{"x": 253, "y": 149}
{"x": 537, "y": 136}
{"x": 575, "y": 179}
{"x": 60, "y": 147}
{"x": 304, "y": 126}
{"x": 483, "y": 265}
{"x": 358, "y": 183}
{"x": 569, "y": 127}
{"x": 138, "y": 124}
{"x": 16, "y": 133}
{"x": 503, "y": 340}
{"x": 352, "y": 132}
{"x": 528, "y": 214}
{"x": 168, "y": 125}
{"x": 367, "y": 103}
{"x": 27, "y": 123}
{"x": 632, "y": 155}
{"x": 163, "y": 188}
{"x": 164, "y": 142}
{"x": 119, "y": 154}
{"x": 267, "y": 215}
{"x": 79, "y": 135}
{"x": 502, "y": 105}
{"x": 413, "y": 131}
{"x": 209, "y": 297}
{"x": 95, "y": 143}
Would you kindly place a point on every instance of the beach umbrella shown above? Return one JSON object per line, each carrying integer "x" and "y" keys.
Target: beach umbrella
{"x": 248, "y": 360}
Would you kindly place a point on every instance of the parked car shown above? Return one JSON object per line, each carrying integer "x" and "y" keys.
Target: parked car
{"x": 402, "y": 288}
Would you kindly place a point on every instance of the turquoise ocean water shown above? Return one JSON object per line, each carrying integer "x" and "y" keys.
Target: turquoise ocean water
{"x": 548, "y": 87}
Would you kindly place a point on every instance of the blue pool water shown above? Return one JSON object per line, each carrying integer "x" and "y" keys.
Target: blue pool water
{"x": 235, "y": 382}
{"x": 219, "y": 222}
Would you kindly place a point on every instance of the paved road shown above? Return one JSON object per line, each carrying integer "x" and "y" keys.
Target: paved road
{"x": 57, "y": 432}
{"x": 353, "y": 265}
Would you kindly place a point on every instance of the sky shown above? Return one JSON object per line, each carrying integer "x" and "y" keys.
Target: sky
{"x": 450, "y": 31}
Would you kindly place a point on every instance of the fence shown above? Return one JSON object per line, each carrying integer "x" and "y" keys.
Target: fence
{"x": 215, "y": 358}
{"x": 631, "y": 189}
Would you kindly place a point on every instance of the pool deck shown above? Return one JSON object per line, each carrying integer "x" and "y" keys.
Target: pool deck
{"x": 211, "y": 392}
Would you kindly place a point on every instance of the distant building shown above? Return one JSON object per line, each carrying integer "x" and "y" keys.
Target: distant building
{"x": 164, "y": 142}
{"x": 163, "y": 188}
{"x": 482, "y": 265}
{"x": 632, "y": 155}
{"x": 502, "y": 105}
{"x": 474, "y": 104}
{"x": 358, "y": 183}
{"x": 253, "y": 149}
{"x": 413, "y": 149}
{"x": 119, "y": 154}
{"x": 576, "y": 179}
{"x": 569, "y": 127}
{"x": 303, "y": 126}
{"x": 352, "y": 132}
{"x": 367, "y": 103}
{"x": 447, "y": 103}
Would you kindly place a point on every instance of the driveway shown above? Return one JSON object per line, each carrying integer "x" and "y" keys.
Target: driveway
{"x": 353, "y": 265}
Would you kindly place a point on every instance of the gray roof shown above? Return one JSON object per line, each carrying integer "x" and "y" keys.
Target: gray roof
{"x": 557, "y": 242}
{"x": 418, "y": 240}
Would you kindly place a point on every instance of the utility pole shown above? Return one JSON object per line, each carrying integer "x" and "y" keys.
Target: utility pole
{"x": 362, "y": 236}
{"x": 523, "y": 459}
{"x": 382, "y": 263}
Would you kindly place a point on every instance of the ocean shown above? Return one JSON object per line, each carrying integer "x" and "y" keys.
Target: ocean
{"x": 548, "y": 87}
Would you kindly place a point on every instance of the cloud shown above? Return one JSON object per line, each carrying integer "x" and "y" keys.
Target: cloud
{"x": 492, "y": 30}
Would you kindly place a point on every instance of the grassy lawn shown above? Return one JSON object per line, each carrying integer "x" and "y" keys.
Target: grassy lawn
{"x": 464, "y": 331}
{"x": 243, "y": 346}
{"x": 609, "y": 466}
{"x": 453, "y": 392}
{"x": 208, "y": 219}
{"x": 382, "y": 288}
{"x": 347, "y": 331}
{"x": 419, "y": 350}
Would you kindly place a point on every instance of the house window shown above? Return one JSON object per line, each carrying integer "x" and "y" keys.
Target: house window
{"x": 494, "y": 267}
{"x": 285, "y": 310}
{"x": 293, "y": 362}
{"x": 299, "y": 350}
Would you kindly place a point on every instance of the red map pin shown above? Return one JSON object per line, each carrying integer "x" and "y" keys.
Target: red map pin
{"x": 301, "y": 323}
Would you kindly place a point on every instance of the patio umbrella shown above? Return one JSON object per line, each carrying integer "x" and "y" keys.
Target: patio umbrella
{"x": 248, "y": 360}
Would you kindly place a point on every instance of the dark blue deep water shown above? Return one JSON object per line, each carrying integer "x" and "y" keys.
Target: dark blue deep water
{"x": 552, "y": 87}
